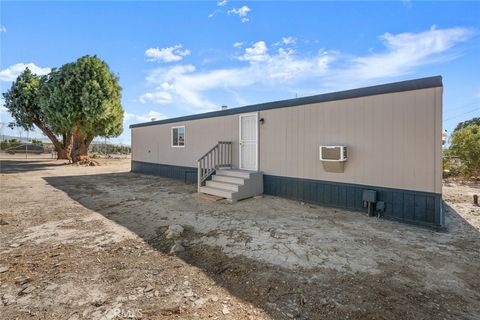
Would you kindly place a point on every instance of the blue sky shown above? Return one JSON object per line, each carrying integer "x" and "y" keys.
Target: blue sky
{"x": 179, "y": 58}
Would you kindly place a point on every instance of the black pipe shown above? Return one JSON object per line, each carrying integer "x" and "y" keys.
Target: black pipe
{"x": 371, "y": 209}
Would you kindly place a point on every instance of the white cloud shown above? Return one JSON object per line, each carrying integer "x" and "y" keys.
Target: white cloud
{"x": 238, "y": 44}
{"x": 160, "y": 96}
{"x": 156, "y": 115}
{"x": 258, "y": 52}
{"x": 170, "y": 54}
{"x": 132, "y": 117}
{"x": 241, "y": 12}
{"x": 11, "y": 73}
{"x": 185, "y": 85}
{"x": 405, "y": 51}
{"x": 3, "y": 29}
{"x": 211, "y": 15}
{"x": 288, "y": 40}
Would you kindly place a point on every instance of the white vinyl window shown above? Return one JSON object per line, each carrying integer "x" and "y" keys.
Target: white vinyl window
{"x": 178, "y": 137}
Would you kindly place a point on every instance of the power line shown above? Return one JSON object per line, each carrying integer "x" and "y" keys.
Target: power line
{"x": 463, "y": 106}
{"x": 461, "y": 114}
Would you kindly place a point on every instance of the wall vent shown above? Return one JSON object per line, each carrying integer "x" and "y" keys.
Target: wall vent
{"x": 333, "y": 153}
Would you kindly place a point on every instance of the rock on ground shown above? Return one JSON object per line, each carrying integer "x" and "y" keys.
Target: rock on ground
{"x": 174, "y": 231}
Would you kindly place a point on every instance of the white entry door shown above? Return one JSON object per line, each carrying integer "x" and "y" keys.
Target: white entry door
{"x": 248, "y": 141}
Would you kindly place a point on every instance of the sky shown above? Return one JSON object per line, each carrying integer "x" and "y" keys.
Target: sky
{"x": 181, "y": 58}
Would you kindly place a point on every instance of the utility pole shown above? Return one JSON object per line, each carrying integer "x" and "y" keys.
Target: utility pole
{"x": 2, "y": 125}
{"x": 19, "y": 132}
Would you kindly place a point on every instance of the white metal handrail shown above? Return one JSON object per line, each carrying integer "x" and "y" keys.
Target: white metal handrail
{"x": 220, "y": 156}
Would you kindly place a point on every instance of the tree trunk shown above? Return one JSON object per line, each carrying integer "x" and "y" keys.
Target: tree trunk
{"x": 63, "y": 150}
{"x": 80, "y": 146}
{"x": 67, "y": 147}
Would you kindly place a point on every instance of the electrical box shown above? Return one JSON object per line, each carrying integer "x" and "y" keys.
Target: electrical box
{"x": 333, "y": 153}
{"x": 369, "y": 196}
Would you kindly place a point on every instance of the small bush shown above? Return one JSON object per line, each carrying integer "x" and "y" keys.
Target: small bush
{"x": 5, "y": 144}
{"x": 452, "y": 166}
{"x": 465, "y": 145}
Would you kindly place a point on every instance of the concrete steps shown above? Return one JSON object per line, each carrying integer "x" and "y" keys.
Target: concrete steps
{"x": 234, "y": 184}
{"x": 223, "y": 185}
{"x": 228, "y": 179}
{"x": 227, "y": 194}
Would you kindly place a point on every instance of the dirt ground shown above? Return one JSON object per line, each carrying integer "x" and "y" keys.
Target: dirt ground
{"x": 89, "y": 243}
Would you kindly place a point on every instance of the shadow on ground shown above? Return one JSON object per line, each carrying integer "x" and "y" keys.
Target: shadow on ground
{"x": 143, "y": 205}
{"x": 18, "y": 166}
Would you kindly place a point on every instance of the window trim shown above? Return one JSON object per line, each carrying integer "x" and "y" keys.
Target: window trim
{"x": 171, "y": 137}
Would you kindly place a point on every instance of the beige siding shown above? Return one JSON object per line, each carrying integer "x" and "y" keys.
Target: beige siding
{"x": 394, "y": 140}
{"x": 153, "y": 143}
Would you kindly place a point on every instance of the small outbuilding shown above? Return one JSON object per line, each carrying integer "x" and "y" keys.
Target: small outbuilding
{"x": 376, "y": 149}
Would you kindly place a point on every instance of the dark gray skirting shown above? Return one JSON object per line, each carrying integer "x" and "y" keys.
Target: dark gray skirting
{"x": 415, "y": 207}
{"x": 186, "y": 174}
{"x": 421, "y": 208}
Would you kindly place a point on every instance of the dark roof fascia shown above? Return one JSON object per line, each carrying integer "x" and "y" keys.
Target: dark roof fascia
{"x": 416, "y": 84}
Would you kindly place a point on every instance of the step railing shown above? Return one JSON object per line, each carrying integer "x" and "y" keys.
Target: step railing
{"x": 220, "y": 156}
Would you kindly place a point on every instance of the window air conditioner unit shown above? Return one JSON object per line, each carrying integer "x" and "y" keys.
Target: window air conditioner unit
{"x": 333, "y": 153}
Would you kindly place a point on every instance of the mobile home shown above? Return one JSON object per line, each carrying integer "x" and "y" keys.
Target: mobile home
{"x": 375, "y": 149}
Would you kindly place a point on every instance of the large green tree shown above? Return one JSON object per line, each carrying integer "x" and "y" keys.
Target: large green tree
{"x": 78, "y": 102}
{"x": 465, "y": 144}
{"x": 23, "y": 103}
{"x": 83, "y": 98}
{"x": 464, "y": 124}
